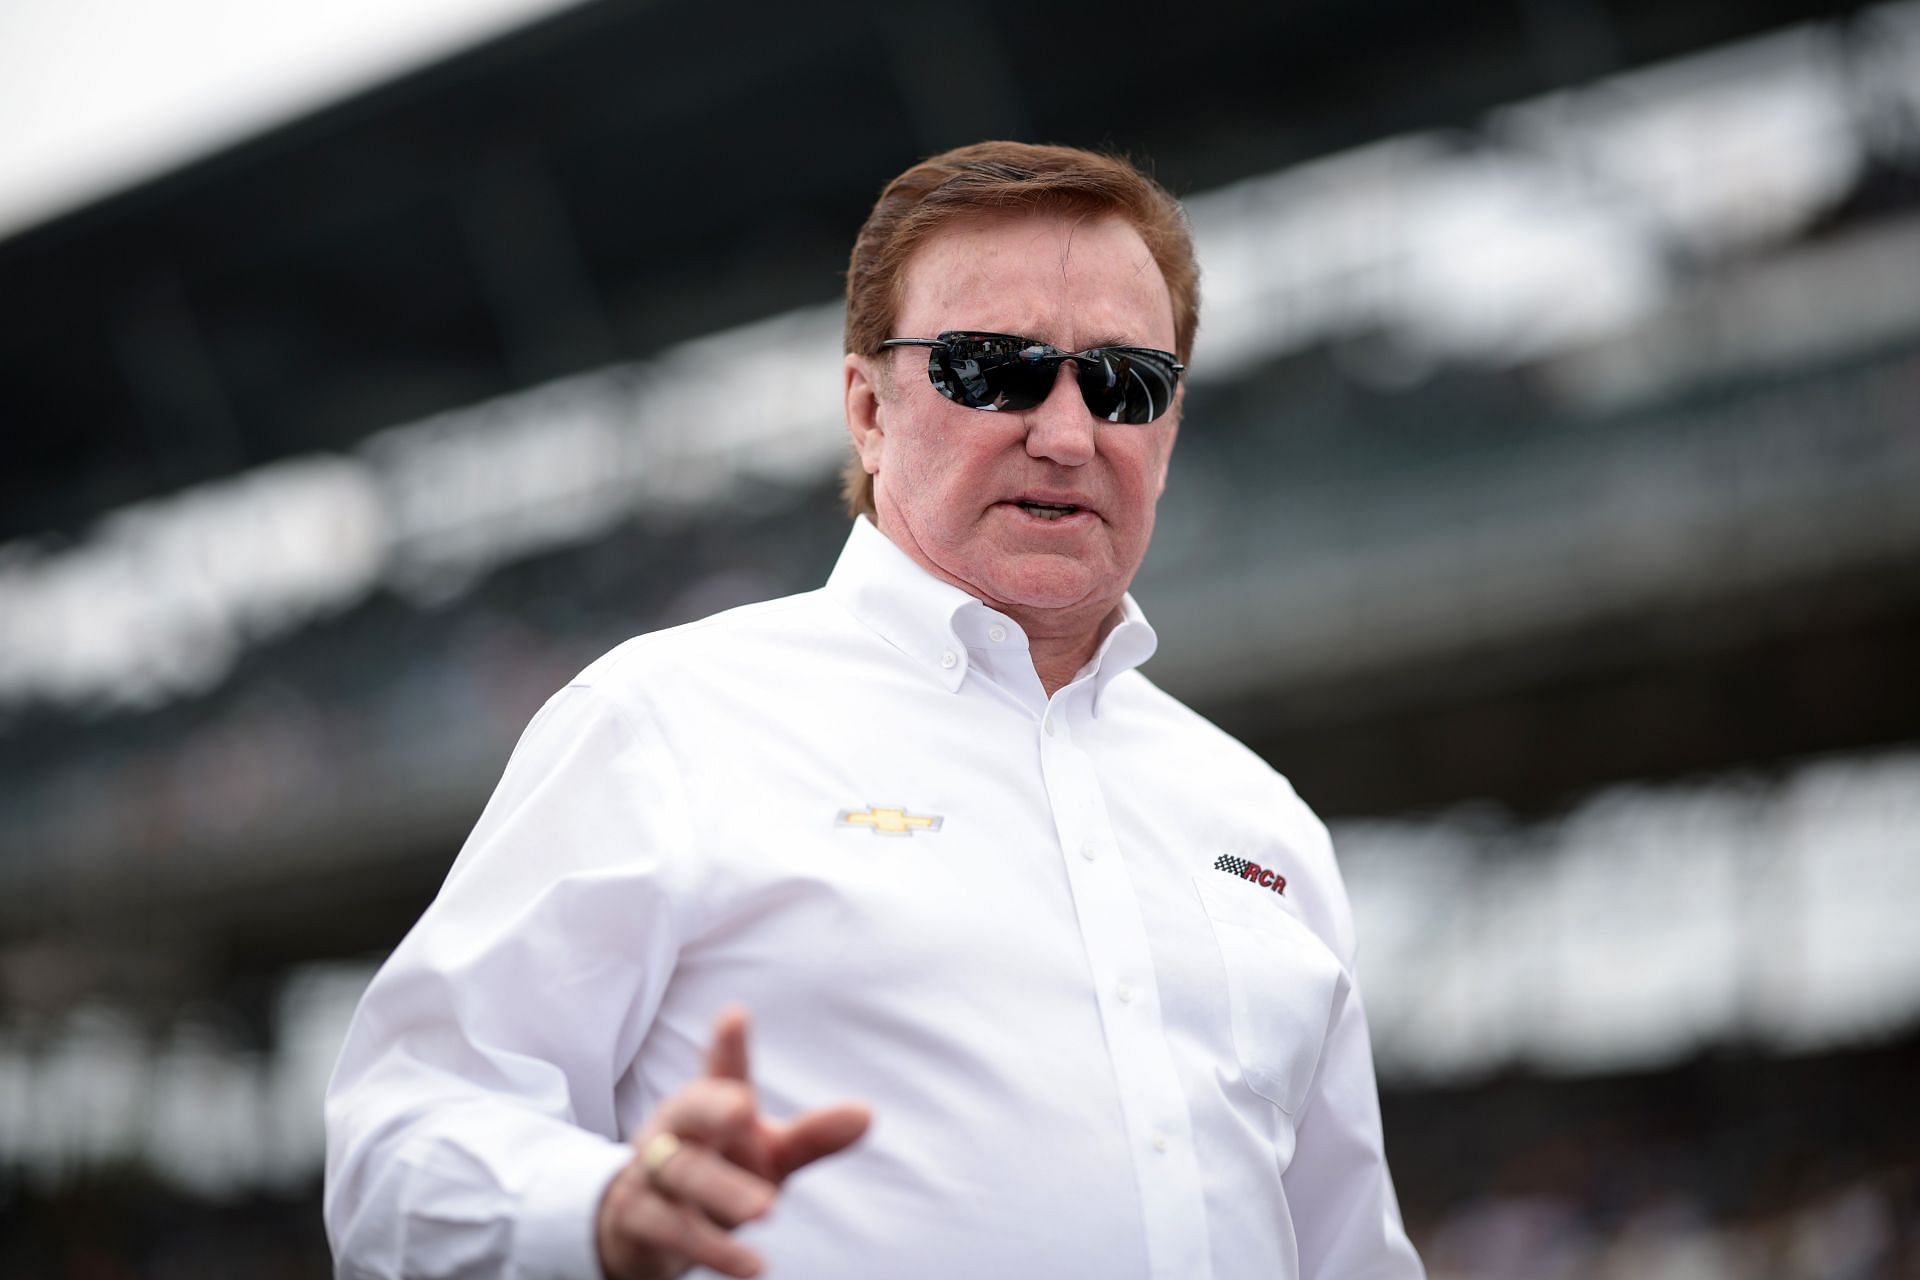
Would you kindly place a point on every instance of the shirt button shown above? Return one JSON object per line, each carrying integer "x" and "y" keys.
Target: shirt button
{"x": 1048, "y": 726}
{"x": 949, "y": 660}
{"x": 1088, "y": 852}
{"x": 1160, "y": 1143}
{"x": 1124, "y": 991}
{"x": 996, "y": 633}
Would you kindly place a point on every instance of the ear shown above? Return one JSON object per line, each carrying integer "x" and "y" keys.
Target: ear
{"x": 864, "y": 417}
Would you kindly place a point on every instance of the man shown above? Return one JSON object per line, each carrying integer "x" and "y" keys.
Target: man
{"x": 1085, "y": 961}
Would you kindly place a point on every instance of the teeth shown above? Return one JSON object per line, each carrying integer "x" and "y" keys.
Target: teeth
{"x": 1048, "y": 510}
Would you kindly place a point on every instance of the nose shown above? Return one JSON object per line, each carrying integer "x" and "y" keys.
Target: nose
{"x": 1060, "y": 428}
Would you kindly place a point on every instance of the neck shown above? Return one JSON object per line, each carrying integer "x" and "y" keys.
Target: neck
{"x": 1060, "y": 640}
{"x": 1059, "y": 652}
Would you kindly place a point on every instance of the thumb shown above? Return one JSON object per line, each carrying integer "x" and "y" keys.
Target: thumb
{"x": 818, "y": 1133}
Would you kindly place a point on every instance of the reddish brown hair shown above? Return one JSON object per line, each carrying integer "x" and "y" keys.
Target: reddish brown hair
{"x": 1005, "y": 177}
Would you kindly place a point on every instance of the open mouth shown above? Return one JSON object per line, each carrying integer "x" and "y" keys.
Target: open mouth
{"x": 1049, "y": 510}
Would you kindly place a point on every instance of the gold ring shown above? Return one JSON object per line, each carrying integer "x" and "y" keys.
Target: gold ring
{"x": 660, "y": 1148}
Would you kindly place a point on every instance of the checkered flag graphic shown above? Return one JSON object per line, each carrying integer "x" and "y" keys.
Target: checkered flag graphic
{"x": 1228, "y": 863}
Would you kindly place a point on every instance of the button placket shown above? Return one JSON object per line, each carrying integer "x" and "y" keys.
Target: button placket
{"x": 1153, "y": 1103}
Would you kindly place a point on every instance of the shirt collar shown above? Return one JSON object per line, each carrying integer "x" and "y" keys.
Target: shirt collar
{"x": 1130, "y": 643}
{"x": 926, "y": 618}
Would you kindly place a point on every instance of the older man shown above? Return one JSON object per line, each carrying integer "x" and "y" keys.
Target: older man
{"x": 1085, "y": 960}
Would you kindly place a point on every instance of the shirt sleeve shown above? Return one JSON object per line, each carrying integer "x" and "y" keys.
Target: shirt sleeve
{"x": 470, "y": 1120}
{"x": 1346, "y": 1215}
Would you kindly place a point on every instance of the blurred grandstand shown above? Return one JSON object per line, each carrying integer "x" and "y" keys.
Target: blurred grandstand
{"x": 1545, "y": 509}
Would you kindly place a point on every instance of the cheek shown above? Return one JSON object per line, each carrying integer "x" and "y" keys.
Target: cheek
{"x": 930, "y": 480}
{"x": 1146, "y": 473}
{"x": 1162, "y": 460}
{"x": 909, "y": 446}
{"x": 959, "y": 459}
{"x": 931, "y": 467}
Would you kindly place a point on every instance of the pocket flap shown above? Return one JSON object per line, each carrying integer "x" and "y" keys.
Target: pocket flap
{"x": 1283, "y": 984}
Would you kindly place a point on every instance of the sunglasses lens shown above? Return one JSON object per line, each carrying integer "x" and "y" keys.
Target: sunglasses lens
{"x": 992, "y": 373}
{"x": 989, "y": 371}
{"x": 1126, "y": 386}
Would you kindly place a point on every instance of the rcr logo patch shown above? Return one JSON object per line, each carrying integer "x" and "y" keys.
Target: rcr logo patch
{"x": 1265, "y": 877}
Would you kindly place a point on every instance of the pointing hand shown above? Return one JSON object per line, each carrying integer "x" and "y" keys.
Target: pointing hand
{"x": 706, "y": 1162}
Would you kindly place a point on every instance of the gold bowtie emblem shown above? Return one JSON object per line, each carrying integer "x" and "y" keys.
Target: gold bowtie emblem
{"x": 884, "y": 820}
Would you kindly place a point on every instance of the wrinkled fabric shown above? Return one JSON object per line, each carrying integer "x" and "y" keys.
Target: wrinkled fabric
{"x": 1022, "y": 928}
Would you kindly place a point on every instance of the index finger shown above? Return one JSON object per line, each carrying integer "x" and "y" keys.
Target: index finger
{"x": 727, "y": 1055}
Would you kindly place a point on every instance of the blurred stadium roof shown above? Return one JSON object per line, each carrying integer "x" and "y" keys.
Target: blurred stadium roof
{"x": 1643, "y": 518}
{"x": 598, "y": 185}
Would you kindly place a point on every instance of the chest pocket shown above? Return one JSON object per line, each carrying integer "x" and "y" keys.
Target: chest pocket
{"x": 1285, "y": 988}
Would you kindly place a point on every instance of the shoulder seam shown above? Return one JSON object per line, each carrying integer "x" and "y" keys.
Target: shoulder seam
{"x": 646, "y": 640}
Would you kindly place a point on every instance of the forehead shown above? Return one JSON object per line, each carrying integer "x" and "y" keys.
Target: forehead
{"x": 1072, "y": 280}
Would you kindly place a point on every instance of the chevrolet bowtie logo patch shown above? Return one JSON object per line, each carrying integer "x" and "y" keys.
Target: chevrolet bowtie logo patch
{"x": 884, "y": 820}
{"x": 1266, "y": 877}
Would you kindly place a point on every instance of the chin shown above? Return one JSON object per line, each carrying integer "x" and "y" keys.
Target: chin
{"x": 1044, "y": 586}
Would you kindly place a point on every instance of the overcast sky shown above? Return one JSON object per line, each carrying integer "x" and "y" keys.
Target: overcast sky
{"x": 98, "y": 95}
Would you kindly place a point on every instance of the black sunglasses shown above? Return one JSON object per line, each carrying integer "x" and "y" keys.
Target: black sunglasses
{"x": 999, "y": 371}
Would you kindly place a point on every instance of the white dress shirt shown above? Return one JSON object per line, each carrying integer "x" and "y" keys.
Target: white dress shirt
{"x": 1098, "y": 991}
